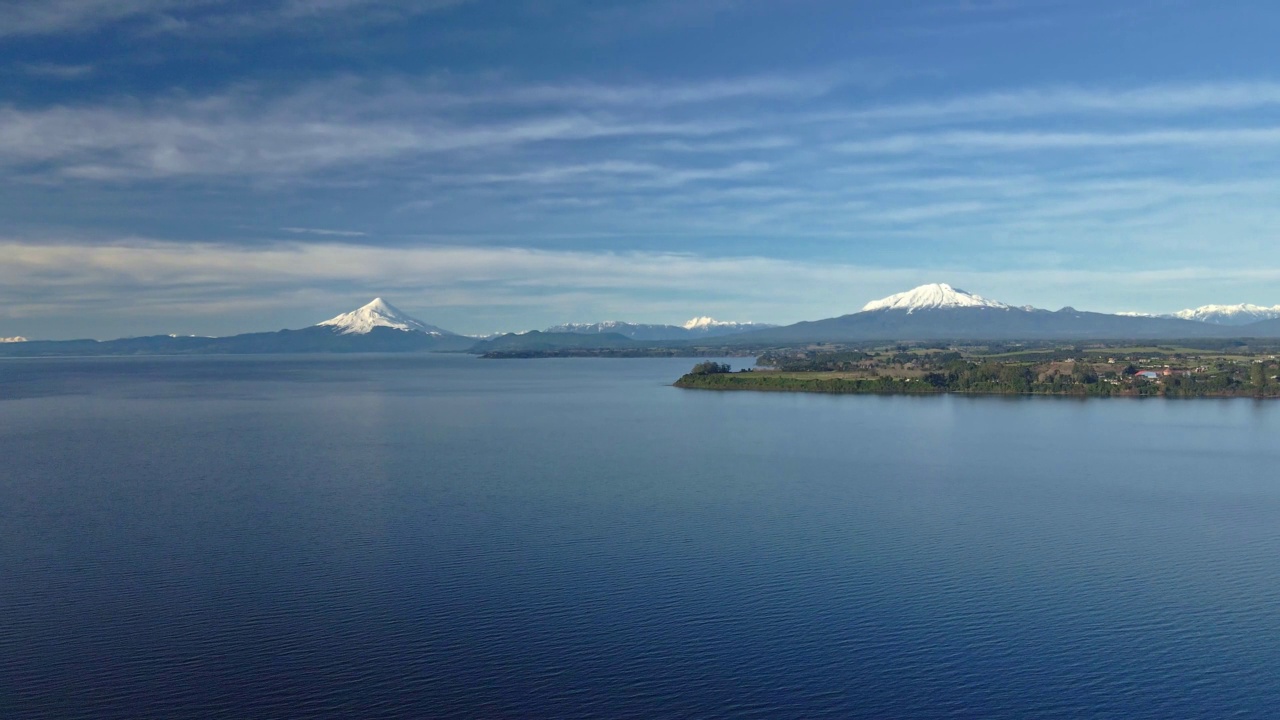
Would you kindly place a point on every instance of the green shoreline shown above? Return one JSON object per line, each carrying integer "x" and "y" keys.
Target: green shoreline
{"x": 1077, "y": 370}
{"x": 1064, "y": 373}
{"x": 737, "y": 382}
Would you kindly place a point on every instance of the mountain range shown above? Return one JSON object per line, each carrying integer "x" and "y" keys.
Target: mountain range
{"x": 376, "y": 327}
{"x": 929, "y": 312}
{"x": 1242, "y": 314}
{"x": 699, "y": 327}
{"x": 942, "y": 312}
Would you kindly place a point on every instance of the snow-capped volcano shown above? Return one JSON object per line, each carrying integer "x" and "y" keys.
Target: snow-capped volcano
{"x": 379, "y": 313}
{"x": 1242, "y": 314}
{"x": 933, "y": 297}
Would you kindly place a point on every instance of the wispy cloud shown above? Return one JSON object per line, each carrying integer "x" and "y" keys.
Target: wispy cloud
{"x": 610, "y": 19}
{"x": 741, "y": 145}
{"x": 974, "y": 16}
{"x": 71, "y": 16}
{"x": 297, "y": 16}
{"x": 664, "y": 94}
{"x": 259, "y": 131}
{"x": 57, "y": 71}
{"x": 1018, "y": 141}
{"x": 54, "y": 16}
{"x": 1054, "y": 102}
{"x": 324, "y": 232}
{"x": 741, "y": 162}
{"x": 174, "y": 139}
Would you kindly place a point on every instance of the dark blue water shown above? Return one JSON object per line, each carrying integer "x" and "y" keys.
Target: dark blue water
{"x": 449, "y": 537}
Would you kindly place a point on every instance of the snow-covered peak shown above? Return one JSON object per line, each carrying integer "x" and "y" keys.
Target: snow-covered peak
{"x": 1241, "y": 314}
{"x": 379, "y": 313}
{"x": 14, "y": 339}
{"x": 704, "y": 323}
{"x": 599, "y": 327}
{"x": 932, "y": 297}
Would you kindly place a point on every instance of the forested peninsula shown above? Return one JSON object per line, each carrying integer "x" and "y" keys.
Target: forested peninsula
{"x": 1075, "y": 370}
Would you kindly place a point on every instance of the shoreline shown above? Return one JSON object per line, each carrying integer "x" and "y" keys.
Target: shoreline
{"x": 847, "y": 387}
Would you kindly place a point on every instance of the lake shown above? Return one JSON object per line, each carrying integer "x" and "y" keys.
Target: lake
{"x": 443, "y": 536}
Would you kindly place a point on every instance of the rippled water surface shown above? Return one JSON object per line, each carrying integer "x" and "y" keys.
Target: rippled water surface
{"x": 441, "y": 536}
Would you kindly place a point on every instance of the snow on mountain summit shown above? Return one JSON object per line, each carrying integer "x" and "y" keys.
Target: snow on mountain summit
{"x": 379, "y": 313}
{"x": 1242, "y": 314}
{"x": 698, "y": 327}
{"x": 1235, "y": 315}
{"x": 932, "y": 297}
{"x": 707, "y": 323}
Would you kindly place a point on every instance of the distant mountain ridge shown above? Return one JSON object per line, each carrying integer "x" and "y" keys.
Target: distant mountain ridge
{"x": 375, "y": 327}
{"x": 698, "y": 327}
{"x": 1242, "y": 314}
{"x": 707, "y": 324}
{"x": 936, "y": 312}
{"x": 1265, "y": 328}
{"x": 1237, "y": 315}
{"x": 537, "y": 341}
{"x": 942, "y": 312}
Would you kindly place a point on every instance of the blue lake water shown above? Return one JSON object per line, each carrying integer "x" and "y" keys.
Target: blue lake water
{"x": 442, "y": 536}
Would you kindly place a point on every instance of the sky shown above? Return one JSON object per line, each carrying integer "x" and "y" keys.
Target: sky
{"x": 216, "y": 167}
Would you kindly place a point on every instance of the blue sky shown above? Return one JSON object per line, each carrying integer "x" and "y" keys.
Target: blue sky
{"x": 212, "y": 167}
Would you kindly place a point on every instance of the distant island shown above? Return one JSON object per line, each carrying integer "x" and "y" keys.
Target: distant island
{"x": 1075, "y": 371}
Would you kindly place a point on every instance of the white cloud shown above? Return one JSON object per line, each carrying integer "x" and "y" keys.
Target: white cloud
{"x": 663, "y": 94}
{"x": 1020, "y": 141}
{"x": 637, "y": 164}
{"x": 324, "y": 232}
{"x": 1054, "y": 102}
{"x": 256, "y": 132}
